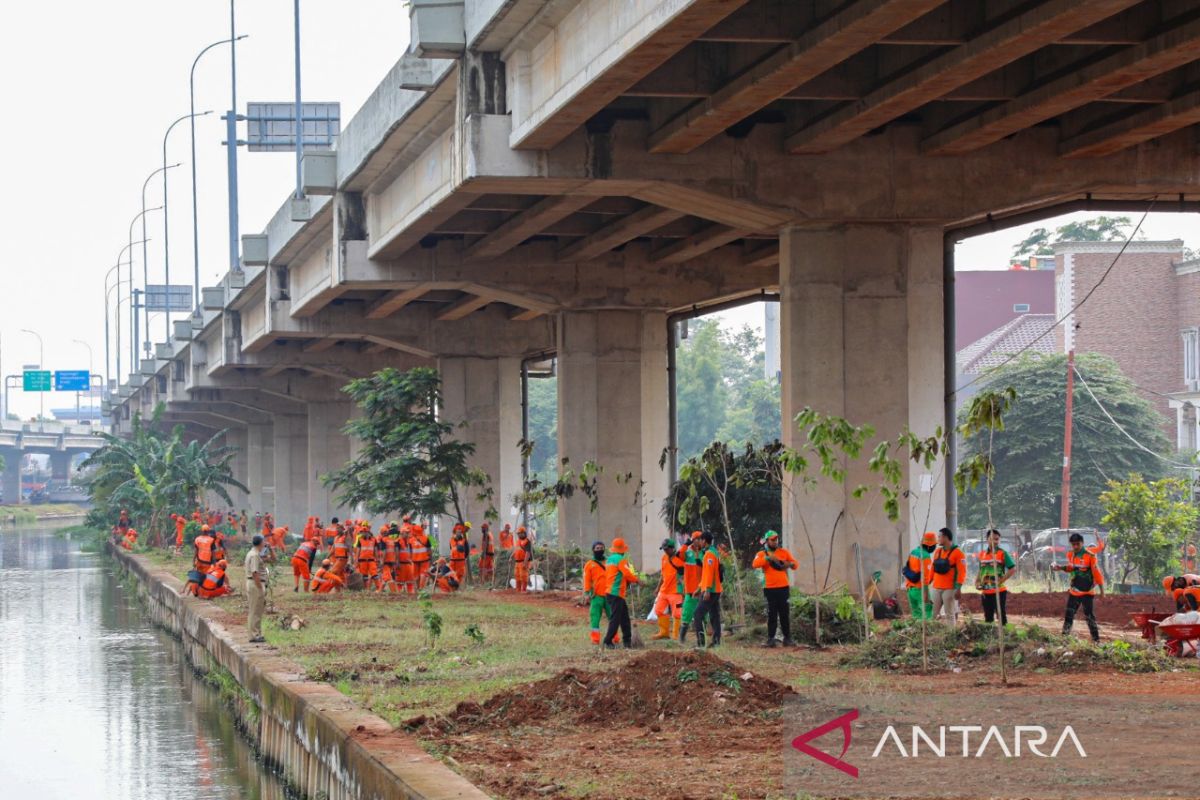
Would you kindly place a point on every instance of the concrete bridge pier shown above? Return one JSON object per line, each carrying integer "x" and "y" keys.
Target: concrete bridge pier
{"x": 10, "y": 481}
{"x": 485, "y": 393}
{"x": 612, "y": 410}
{"x": 861, "y": 337}
{"x": 236, "y": 437}
{"x": 259, "y": 476}
{"x": 290, "y": 456}
{"x": 328, "y": 450}
{"x": 60, "y": 466}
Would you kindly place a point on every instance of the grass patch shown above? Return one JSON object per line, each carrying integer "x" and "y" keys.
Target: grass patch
{"x": 27, "y": 514}
{"x": 1026, "y": 647}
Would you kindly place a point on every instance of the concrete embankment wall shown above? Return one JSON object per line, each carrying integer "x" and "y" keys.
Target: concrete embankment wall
{"x": 325, "y": 745}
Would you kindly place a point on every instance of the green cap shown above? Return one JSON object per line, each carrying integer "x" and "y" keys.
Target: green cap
{"x": 768, "y": 535}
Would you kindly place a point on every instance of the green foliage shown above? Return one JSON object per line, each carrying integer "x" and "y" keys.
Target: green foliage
{"x": 1150, "y": 521}
{"x": 542, "y": 494}
{"x": 155, "y": 472}
{"x": 431, "y": 621}
{"x": 752, "y": 497}
{"x": 723, "y": 678}
{"x": 1097, "y": 229}
{"x": 1026, "y": 456}
{"x": 410, "y": 460}
{"x": 721, "y": 389}
{"x": 687, "y": 676}
{"x": 475, "y": 633}
{"x": 842, "y": 618}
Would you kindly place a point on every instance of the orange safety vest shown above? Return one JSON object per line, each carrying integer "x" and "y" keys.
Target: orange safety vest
{"x": 204, "y": 548}
{"x": 366, "y": 548}
{"x": 389, "y": 550}
{"x": 996, "y": 561}
{"x": 489, "y": 544}
{"x": 459, "y": 549}
{"x": 419, "y": 544}
{"x": 340, "y": 548}
{"x": 1080, "y": 566}
{"x": 521, "y": 553}
{"x": 403, "y": 554}
{"x": 306, "y": 551}
{"x": 213, "y": 580}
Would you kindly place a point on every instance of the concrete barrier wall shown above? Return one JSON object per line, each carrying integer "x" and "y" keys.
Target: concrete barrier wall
{"x": 324, "y": 744}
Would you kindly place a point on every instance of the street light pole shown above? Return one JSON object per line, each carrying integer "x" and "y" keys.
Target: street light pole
{"x": 89, "y": 349}
{"x": 235, "y": 263}
{"x": 133, "y": 328}
{"x": 192, "y": 124}
{"x": 108, "y": 290}
{"x": 167, "y": 228}
{"x": 41, "y": 365}
{"x": 299, "y": 119}
{"x": 145, "y": 262}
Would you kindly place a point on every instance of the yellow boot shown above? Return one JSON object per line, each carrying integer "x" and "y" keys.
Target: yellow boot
{"x": 664, "y": 628}
{"x": 675, "y": 623}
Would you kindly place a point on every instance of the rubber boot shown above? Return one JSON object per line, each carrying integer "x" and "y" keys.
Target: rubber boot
{"x": 664, "y": 628}
{"x": 683, "y": 630}
{"x": 675, "y": 628}
{"x": 700, "y": 638}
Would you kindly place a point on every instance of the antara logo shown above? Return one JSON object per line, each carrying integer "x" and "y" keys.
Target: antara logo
{"x": 1024, "y": 739}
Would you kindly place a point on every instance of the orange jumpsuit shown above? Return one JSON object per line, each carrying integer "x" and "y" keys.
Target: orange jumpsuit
{"x": 340, "y": 554}
{"x": 405, "y": 581}
{"x": 385, "y": 550}
{"x": 419, "y": 546}
{"x": 459, "y": 551}
{"x": 522, "y": 555}
{"x": 180, "y": 524}
{"x": 365, "y": 558}
{"x": 326, "y": 581}
{"x": 487, "y": 556}
{"x": 506, "y": 538}
{"x": 302, "y": 561}
{"x": 214, "y": 584}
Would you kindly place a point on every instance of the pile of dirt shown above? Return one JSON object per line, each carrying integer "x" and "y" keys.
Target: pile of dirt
{"x": 1114, "y": 609}
{"x": 657, "y": 688}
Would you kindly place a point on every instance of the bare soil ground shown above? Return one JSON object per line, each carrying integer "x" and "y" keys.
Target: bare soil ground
{"x": 1114, "y": 609}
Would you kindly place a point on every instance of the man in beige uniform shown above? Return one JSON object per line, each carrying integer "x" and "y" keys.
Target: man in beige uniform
{"x": 256, "y": 588}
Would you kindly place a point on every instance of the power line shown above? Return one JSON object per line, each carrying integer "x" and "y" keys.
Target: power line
{"x": 1128, "y": 436}
{"x": 1073, "y": 309}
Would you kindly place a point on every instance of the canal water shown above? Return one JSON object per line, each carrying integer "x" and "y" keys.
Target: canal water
{"x": 95, "y": 702}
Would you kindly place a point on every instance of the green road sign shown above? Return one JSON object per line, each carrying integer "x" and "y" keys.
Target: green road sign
{"x": 37, "y": 380}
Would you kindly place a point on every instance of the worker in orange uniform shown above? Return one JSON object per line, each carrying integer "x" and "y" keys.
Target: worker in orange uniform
{"x": 364, "y": 558}
{"x": 130, "y": 539}
{"x": 775, "y": 561}
{"x": 302, "y": 561}
{"x": 460, "y": 551}
{"x": 385, "y": 552}
{"x": 522, "y": 556}
{"x": 595, "y": 588}
{"x": 709, "y": 591}
{"x": 421, "y": 549}
{"x": 1085, "y": 578}
{"x": 180, "y": 523}
{"x": 693, "y": 555}
{"x": 620, "y": 575}
{"x": 278, "y": 538}
{"x": 506, "y": 537}
{"x": 487, "y": 554}
{"x": 918, "y": 576}
{"x": 1189, "y": 558}
{"x": 268, "y": 525}
{"x": 1173, "y": 582}
{"x": 218, "y": 545}
{"x": 340, "y": 551}
{"x": 405, "y": 581}
{"x": 443, "y": 576}
{"x": 215, "y": 584}
{"x": 326, "y": 580}
{"x": 1187, "y": 598}
{"x": 949, "y": 571}
{"x": 996, "y": 566}
{"x": 203, "y": 544}
{"x": 668, "y": 603}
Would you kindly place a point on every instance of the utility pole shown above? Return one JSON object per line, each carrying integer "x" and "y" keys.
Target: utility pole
{"x": 1065, "y": 518}
{"x": 235, "y": 263}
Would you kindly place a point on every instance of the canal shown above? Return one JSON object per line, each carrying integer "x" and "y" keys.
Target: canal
{"x": 95, "y": 702}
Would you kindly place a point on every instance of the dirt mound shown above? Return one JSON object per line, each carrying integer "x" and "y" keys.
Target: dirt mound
{"x": 656, "y": 688}
{"x": 1113, "y": 609}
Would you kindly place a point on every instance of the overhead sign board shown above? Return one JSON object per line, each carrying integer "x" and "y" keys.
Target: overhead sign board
{"x": 36, "y": 380}
{"x": 72, "y": 380}
{"x": 271, "y": 127}
{"x": 168, "y": 298}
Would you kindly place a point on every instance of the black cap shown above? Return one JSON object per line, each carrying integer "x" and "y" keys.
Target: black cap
{"x": 706, "y": 536}
{"x": 257, "y": 540}
{"x": 1075, "y": 537}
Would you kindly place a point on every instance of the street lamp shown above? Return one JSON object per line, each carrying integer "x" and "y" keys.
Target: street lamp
{"x": 195, "y": 221}
{"x": 41, "y": 365}
{"x": 145, "y": 260}
{"x": 167, "y": 226}
{"x": 133, "y": 327}
{"x": 90, "y": 404}
{"x": 108, "y": 290}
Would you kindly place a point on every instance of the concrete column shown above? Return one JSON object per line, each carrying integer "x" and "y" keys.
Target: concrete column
{"x": 237, "y": 438}
{"x": 328, "y": 450}
{"x": 260, "y": 467}
{"x": 60, "y": 466}
{"x": 485, "y": 393}
{"x": 861, "y": 337}
{"x": 612, "y": 410}
{"x": 291, "y": 469}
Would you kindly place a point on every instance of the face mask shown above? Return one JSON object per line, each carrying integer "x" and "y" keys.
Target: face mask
{"x": 598, "y": 555}
{"x": 928, "y": 548}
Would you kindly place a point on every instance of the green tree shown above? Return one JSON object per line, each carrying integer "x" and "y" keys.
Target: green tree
{"x": 700, "y": 388}
{"x": 1040, "y": 241}
{"x": 1026, "y": 456}
{"x": 154, "y": 472}
{"x": 543, "y": 425}
{"x": 410, "y": 460}
{"x": 1149, "y": 521}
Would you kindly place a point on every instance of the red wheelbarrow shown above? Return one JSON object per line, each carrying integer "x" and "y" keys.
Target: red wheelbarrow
{"x": 1146, "y": 619}
{"x": 1177, "y": 635}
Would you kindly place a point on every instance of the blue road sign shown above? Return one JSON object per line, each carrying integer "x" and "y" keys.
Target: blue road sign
{"x": 72, "y": 380}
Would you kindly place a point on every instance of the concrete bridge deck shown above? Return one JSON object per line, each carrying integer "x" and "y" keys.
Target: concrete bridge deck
{"x": 559, "y": 176}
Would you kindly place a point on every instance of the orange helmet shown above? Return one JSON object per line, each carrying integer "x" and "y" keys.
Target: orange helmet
{"x": 929, "y": 538}
{"x": 521, "y": 531}
{"x": 619, "y": 546}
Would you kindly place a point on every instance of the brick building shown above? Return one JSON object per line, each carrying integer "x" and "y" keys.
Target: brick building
{"x": 985, "y": 300}
{"x": 1135, "y": 316}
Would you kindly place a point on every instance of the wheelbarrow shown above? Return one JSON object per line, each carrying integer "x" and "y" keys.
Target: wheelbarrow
{"x": 1177, "y": 635}
{"x": 1146, "y": 620}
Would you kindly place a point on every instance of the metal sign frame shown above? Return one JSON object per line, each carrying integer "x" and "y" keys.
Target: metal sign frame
{"x": 271, "y": 127}
{"x": 157, "y": 296}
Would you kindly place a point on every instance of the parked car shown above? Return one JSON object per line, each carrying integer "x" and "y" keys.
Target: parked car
{"x": 1051, "y": 546}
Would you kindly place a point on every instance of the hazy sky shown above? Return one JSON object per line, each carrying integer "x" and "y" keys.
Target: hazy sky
{"x": 89, "y": 89}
